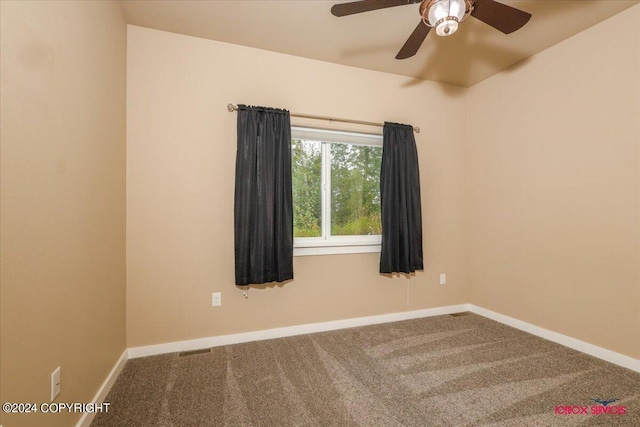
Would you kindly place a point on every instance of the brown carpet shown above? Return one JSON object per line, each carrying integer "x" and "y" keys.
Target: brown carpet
{"x": 437, "y": 371}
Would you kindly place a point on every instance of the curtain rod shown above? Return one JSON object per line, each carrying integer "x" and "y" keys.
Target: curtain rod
{"x": 416, "y": 129}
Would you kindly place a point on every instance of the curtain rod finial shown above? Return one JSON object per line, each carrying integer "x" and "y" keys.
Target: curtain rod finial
{"x": 231, "y": 108}
{"x": 416, "y": 129}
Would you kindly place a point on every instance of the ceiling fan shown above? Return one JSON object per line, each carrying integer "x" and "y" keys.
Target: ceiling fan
{"x": 443, "y": 15}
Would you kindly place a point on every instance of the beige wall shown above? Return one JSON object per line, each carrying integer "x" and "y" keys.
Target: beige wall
{"x": 554, "y": 188}
{"x": 180, "y": 178}
{"x": 63, "y": 201}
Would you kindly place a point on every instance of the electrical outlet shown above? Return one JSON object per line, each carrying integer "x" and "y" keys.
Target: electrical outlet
{"x": 443, "y": 279}
{"x": 216, "y": 299}
{"x": 55, "y": 383}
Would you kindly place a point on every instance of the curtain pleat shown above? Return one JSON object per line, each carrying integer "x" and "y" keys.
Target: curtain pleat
{"x": 263, "y": 207}
{"x": 401, "y": 250}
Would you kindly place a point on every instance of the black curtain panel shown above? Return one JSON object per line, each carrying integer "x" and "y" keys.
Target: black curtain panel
{"x": 263, "y": 209}
{"x": 400, "y": 198}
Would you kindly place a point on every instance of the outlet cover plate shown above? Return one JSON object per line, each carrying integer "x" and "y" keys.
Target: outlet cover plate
{"x": 216, "y": 299}
{"x": 55, "y": 383}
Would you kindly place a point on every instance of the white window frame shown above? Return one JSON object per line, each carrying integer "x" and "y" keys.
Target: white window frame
{"x": 327, "y": 244}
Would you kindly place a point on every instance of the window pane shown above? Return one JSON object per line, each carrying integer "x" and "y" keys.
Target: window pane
{"x": 355, "y": 190}
{"x": 306, "y": 165}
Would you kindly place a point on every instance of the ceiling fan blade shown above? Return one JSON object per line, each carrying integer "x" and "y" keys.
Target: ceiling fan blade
{"x": 344, "y": 9}
{"x": 414, "y": 41}
{"x": 500, "y": 16}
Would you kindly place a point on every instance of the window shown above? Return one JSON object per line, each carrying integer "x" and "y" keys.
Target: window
{"x": 336, "y": 191}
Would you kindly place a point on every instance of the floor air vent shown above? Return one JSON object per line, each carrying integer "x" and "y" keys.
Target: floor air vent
{"x": 464, "y": 313}
{"x": 194, "y": 352}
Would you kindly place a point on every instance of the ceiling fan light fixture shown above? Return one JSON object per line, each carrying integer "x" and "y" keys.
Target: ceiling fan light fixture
{"x": 445, "y": 15}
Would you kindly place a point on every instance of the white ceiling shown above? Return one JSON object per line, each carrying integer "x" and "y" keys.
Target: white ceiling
{"x": 371, "y": 40}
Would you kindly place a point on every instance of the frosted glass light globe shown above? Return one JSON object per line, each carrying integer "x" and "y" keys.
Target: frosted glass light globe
{"x": 445, "y": 15}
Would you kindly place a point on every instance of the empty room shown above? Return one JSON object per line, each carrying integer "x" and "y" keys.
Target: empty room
{"x": 320, "y": 213}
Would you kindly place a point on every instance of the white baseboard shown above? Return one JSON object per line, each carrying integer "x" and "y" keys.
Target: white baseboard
{"x": 86, "y": 418}
{"x": 208, "y": 342}
{"x": 567, "y": 341}
{"x": 289, "y": 331}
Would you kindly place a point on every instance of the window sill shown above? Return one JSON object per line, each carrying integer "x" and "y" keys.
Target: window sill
{"x": 335, "y": 250}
